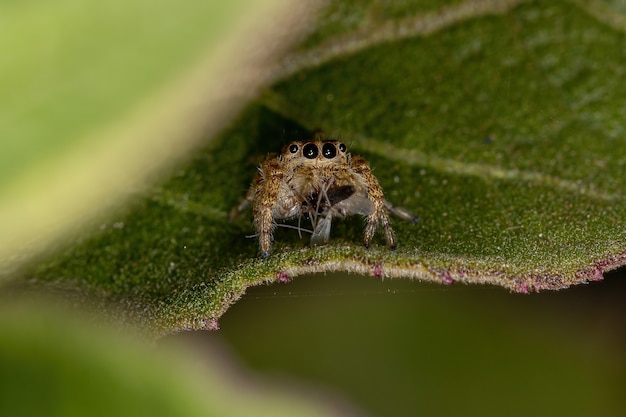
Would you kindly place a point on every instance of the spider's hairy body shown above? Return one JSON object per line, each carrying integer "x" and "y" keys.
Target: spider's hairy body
{"x": 318, "y": 180}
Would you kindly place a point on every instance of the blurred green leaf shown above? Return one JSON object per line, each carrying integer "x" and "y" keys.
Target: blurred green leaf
{"x": 499, "y": 123}
{"x": 439, "y": 351}
{"x": 76, "y": 65}
{"x": 55, "y": 365}
{"x": 97, "y": 97}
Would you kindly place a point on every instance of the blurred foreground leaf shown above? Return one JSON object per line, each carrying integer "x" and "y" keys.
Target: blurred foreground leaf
{"x": 97, "y": 97}
{"x": 55, "y": 365}
{"x": 499, "y": 123}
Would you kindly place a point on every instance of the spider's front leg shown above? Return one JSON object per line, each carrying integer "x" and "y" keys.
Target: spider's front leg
{"x": 375, "y": 194}
{"x": 266, "y": 191}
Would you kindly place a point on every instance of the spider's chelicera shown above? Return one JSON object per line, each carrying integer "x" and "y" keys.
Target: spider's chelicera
{"x": 317, "y": 180}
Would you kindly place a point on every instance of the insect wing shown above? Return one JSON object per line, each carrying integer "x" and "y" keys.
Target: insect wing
{"x": 322, "y": 230}
{"x": 400, "y": 212}
{"x": 337, "y": 194}
{"x": 355, "y": 204}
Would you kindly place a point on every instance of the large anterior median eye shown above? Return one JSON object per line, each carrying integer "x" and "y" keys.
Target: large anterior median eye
{"x": 310, "y": 151}
{"x": 329, "y": 151}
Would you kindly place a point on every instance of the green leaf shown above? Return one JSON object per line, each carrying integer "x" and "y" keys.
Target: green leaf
{"x": 55, "y": 365}
{"x": 500, "y": 124}
{"x": 98, "y": 97}
{"x": 442, "y": 351}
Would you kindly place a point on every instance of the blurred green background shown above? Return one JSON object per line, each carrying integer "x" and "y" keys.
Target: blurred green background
{"x": 400, "y": 348}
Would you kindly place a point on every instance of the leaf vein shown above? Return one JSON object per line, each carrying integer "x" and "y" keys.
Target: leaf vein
{"x": 451, "y": 166}
{"x": 422, "y": 24}
{"x": 182, "y": 203}
{"x": 484, "y": 171}
{"x": 603, "y": 13}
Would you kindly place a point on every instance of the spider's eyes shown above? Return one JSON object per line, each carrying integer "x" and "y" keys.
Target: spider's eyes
{"x": 329, "y": 150}
{"x": 310, "y": 151}
{"x": 342, "y": 147}
{"x": 293, "y": 148}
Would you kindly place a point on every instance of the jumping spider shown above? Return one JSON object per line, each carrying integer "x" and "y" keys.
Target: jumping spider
{"x": 317, "y": 180}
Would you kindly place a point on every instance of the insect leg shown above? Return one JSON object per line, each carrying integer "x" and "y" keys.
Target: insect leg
{"x": 239, "y": 208}
{"x": 323, "y": 217}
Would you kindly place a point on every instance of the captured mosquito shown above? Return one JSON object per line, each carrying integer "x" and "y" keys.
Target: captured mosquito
{"x": 317, "y": 180}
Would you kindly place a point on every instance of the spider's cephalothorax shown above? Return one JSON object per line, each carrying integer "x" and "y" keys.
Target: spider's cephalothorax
{"x": 318, "y": 180}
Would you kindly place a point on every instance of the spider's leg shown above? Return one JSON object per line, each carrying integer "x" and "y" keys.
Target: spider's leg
{"x": 266, "y": 191}
{"x": 375, "y": 194}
